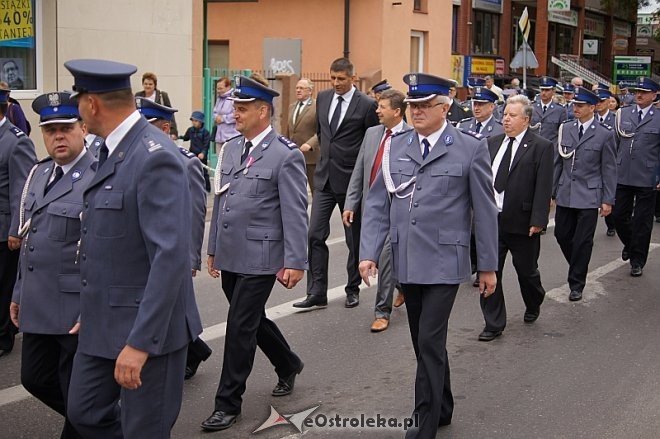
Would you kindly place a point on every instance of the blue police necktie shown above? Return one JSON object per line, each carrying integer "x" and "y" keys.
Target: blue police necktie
{"x": 334, "y": 122}
{"x": 503, "y": 171}
{"x": 246, "y": 151}
{"x": 103, "y": 155}
{"x": 427, "y": 148}
{"x": 639, "y": 116}
{"x": 478, "y": 130}
{"x": 545, "y": 107}
{"x": 59, "y": 172}
{"x": 581, "y": 131}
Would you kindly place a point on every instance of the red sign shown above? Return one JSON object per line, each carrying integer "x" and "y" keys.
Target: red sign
{"x": 499, "y": 66}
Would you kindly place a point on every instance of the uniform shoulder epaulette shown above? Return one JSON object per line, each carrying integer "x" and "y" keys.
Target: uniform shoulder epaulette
{"x": 472, "y": 133}
{"x": 45, "y": 159}
{"x": 151, "y": 144}
{"x": 568, "y": 120}
{"x": 232, "y": 138}
{"x": 464, "y": 120}
{"x": 609, "y": 127}
{"x": 497, "y": 121}
{"x": 404, "y": 131}
{"x": 186, "y": 152}
{"x": 288, "y": 142}
{"x": 17, "y": 131}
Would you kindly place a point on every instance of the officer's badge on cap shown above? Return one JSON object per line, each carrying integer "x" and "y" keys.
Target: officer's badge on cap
{"x": 247, "y": 90}
{"x": 153, "y": 111}
{"x": 56, "y": 107}
{"x": 424, "y": 87}
{"x": 646, "y": 84}
{"x": 483, "y": 94}
{"x": 603, "y": 94}
{"x": 474, "y": 81}
{"x": 585, "y": 96}
{"x": 381, "y": 86}
{"x": 99, "y": 75}
{"x": 569, "y": 88}
{"x": 547, "y": 82}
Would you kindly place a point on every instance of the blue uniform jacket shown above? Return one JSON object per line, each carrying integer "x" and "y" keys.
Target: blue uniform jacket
{"x": 639, "y": 155}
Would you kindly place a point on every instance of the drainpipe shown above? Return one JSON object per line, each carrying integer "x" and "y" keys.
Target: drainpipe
{"x": 347, "y": 16}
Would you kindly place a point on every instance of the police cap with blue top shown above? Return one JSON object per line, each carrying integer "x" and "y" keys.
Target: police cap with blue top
{"x": 585, "y": 96}
{"x": 424, "y": 87}
{"x": 4, "y": 95}
{"x": 56, "y": 107}
{"x": 248, "y": 90}
{"x": 474, "y": 81}
{"x": 603, "y": 93}
{"x": 547, "y": 82}
{"x": 646, "y": 84}
{"x": 153, "y": 111}
{"x": 99, "y": 75}
{"x": 483, "y": 94}
{"x": 381, "y": 86}
{"x": 569, "y": 88}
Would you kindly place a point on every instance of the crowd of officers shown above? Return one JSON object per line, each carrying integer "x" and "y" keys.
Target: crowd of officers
{"x": 109, "y": 349}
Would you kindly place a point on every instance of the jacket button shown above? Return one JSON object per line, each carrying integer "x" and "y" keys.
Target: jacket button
{"x": 31, "y": 248}
{"x": 106, "y": 202}
{"x": 154, "y": 340}
{"x": 235, "y": 177}
{"x": 84, "y": 230}
{"x": 84, "y": 282}
{"x": 265, "y": 236}
{"x": 421, "y": 171}
{"x": 38, "y": 212}
{"x": 414, "y": 222}
{"x": 137, "y": 301}
{"x": 84, "y": 257}
{"x": 64, "y": 211}
{"x": 226, "y": 209}
{"x": 30, "y": 268}
{"x": 232, "y": 193}
{"x": 225, "y": 225}
{"x": 416, "y": 204}
{"x": 86, "y": 203}
{"x": 34, "y": 230}
{"x": 419, "y": 188}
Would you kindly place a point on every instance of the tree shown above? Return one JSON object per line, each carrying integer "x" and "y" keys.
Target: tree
{"x": 626, "y": 8}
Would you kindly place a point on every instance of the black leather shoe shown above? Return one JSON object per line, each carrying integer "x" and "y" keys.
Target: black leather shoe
{"x": 443, "y": 422}
{"x": 220, "y": 420}
{"x": 657, "y": 219}
{"x": 625, "y": 255}
{"x": 312, "y": 301}
{"x": 352, "y": 300}
{"x": 574, "y": 296}
{"x": 611, "y": 232}
{"x": 285, "y": 385}
{"x": 636, "y": 271}
{"x": 531, "y": 316}
{"x": 3, "y": 352}
{"x": 486, "y": 336}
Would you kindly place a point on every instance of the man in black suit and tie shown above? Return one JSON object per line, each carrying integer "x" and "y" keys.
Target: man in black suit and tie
{"x": 522, "y": 172}
{"x": 343, "y": 115}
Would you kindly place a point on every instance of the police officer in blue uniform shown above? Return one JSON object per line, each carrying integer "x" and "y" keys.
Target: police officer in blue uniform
{"x": 435, "y": 171}
{"x": 379, "y": 87}
{"x": 46, "y": 301}
{"x": 16, "y": 159}
{"x": 161, "y": 117}
{"x": 547, "y": 115}
{"x": 625, "y": 97}
{"x": 258, "y": 233}
{"x": 483, "y": 122}
{"x": 603, "y": 113}
{"x": 584, "y": 183}
{"x": 637, "y": 128}
{"x": 137, "y": 307}
{"x": 569, "y": 93}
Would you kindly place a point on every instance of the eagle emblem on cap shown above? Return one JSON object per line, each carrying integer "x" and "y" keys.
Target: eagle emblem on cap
{"x": 412, "y": 79}
{"x": 53, "y": 99}
{"x": 139, "y": 103}
{"x": 477, "y": 89}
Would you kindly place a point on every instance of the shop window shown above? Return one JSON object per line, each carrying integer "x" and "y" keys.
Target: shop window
{"x": 485, "y": 33}
{"x": 454, "y": 33}
{"x": 18, "y": 44}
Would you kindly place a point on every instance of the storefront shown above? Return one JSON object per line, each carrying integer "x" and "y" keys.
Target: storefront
{"x": 486, "y": 26}
{"x": 561, "y": 36}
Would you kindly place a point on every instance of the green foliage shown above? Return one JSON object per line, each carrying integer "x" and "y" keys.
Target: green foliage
{"x": 626, "y": 8}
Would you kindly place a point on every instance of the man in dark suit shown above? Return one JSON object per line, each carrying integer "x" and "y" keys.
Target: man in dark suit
{"x": 16, "y": 159}
{"x": 301, "y": 126}
{"x": 257, "y": 234}
{"x": 137, "y": 307}
{"x": 49, "y": 272}
{"x": 343, "y": 116}
{"x": 457, "y": 111}
{"x": 522, "y": 169}
{"x": 584, "y": 182}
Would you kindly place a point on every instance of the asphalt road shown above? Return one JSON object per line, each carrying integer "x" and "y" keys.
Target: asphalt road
{"x": 583, "y": 370}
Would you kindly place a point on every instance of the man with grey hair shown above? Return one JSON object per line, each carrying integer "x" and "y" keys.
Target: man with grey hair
{"x": 301, "y": 126}
{"x": 522, "y": 170}
{"x": 577, "y": 82}
{"x": 490, "y": 85}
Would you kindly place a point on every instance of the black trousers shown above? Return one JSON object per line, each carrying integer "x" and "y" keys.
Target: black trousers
{"x": 46, "y": 365}
{"x": 8, "y": 267}
{"x": 198, "y": 351}
{"x": 247, "y": 328}
{"x": 150, "y": 411}
{"x": 207, "y": 180}
{"x": 633, "y": 217}
{"x": 323, "y": 204}
{"x": 574, "y": 230}
{"x": 609, "y": 222}
{"x": 428, "y": 309}
{"x": 525, "y": 253}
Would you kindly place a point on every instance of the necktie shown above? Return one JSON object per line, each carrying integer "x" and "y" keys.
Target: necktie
{"x": 246, "y": 151}
{"x": 639, "y": 116}
{"x": 545, "y": 107}
{"x": 427, "y": 148}
{"x": 103, "y": 154}
{"x": 601, "y": 119}
{"x": 581, "y": 131}
{"x": 58, "y": 176}
{"x": 334, "y": 122}
{"x": 379, "y": 157}
{"x": 503, "y": 171}
{"x": 478, "y": 130}
{"x": 296, "y": 114}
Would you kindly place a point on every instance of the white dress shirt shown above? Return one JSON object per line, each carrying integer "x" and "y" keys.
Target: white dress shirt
{"x": 499, "y": 196}
{"x": 118, "y": 134}
{"x": 344, "y": 105}
{"x": 432, "y": 138}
